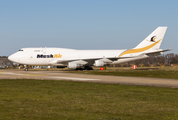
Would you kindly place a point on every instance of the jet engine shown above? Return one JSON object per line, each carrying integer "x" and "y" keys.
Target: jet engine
{"x": 99, "y": 63}
{"x": 73, "y": 65}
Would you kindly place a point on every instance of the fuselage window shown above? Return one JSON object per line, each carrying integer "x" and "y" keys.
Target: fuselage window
{"x": 20, "y": 50}
{"x": 36, "y": 50}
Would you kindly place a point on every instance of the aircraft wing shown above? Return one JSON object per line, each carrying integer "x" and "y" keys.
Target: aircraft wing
{"x": 84, "y": 61}
{"x": 157, "y": 52}
{"x": 89, "y": 62}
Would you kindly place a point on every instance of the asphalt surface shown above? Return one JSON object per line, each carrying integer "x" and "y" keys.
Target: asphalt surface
{"x": 61, "y": 75}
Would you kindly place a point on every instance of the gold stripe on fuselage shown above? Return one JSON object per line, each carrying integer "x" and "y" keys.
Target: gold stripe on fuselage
{"x": 139, "y": 49}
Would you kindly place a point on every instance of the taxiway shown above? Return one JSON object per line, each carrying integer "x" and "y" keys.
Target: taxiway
{"x": 60, "y": 75}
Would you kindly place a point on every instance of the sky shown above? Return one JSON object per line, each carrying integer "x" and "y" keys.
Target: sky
{"x": 85, "y": 24}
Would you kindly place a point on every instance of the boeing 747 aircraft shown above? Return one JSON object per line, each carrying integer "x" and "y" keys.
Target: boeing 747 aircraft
{"x": 74, "y": 59}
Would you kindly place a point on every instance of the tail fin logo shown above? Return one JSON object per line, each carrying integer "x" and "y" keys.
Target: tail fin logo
{"x": 153, "y": 39}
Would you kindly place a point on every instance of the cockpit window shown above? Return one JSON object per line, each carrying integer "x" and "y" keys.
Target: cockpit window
{"x": 20, "y": 50}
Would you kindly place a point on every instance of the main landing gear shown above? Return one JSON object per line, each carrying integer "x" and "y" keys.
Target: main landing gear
{"x": 88, "y": 68}
{"x": 25, "y": 68}
{"x": 85, "y": 68}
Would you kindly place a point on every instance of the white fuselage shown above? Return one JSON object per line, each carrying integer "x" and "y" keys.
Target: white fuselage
{"x": 50, "y": 56}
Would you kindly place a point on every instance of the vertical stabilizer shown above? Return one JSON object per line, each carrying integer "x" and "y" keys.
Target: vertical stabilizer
{"x": 150, "y": 43}
{"x": 154, "y": 38}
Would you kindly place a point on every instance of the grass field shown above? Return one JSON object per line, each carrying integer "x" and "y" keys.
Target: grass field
{"x": 42, "y": 99}
{"x": 157, "y": 72}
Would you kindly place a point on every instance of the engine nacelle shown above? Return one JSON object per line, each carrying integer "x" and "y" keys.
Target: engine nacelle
{"x": 99, "y": 63}
{"x": 72, "y": 65}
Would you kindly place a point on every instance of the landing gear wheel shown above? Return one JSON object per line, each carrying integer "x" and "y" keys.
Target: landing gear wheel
{"x": 88, "y": 68}
{"x": 26, "y": 69}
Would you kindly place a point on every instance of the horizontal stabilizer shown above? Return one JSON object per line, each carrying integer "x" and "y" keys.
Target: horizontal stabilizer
{"x": 157, "y": 52}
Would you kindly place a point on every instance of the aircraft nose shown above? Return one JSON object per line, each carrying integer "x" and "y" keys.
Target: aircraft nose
{"x": 13, "y": 58}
